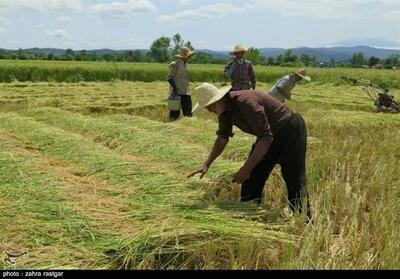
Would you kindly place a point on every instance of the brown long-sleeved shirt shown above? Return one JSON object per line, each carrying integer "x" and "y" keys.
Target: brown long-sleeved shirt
{"x": 253, "y": 112}
{"x": 242, "y": 75}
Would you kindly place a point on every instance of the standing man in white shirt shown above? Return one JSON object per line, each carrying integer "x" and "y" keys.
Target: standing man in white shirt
{"x": 178, "y": 79}
{"x": 283, "y": 88}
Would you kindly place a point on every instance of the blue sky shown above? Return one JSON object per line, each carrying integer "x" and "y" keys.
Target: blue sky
{"x": 218, "y": 25}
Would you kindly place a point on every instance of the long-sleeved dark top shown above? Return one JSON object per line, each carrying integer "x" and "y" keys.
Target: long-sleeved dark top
{"x": 242, "y": 75}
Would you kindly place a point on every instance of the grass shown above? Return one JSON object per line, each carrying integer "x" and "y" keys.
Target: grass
{"x": 97, "y": 177}
{"x": 75, "y": 72}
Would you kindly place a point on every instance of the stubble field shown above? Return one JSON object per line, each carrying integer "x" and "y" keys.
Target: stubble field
{"x": 93, "y": 176}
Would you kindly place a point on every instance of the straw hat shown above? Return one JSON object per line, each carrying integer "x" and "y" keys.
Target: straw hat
{"x": 238, "y": 48}
{"x": 185, "y": 53}
{"x": 208, "y": 94}
{"x": 303, "y": 74}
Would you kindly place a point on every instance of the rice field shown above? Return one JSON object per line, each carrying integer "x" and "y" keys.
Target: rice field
{"x": 93, "y": 176}
{"x": 75, "y": 72}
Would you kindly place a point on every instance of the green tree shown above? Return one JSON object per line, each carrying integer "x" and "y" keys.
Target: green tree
{"x": 3, "y": 54}
{"x": 178, "y": 43}
{"x": 392, "y": 61}
{"x": 270, "y": 61}
{"x": 137, "y": 56}
{"x": 279, "y": 60}
{"x": 254, "y": 56}
{"x": 306, "y": 60}
{"x": 129, "y": 56}
{"x": 203, "y": 58}
{"x": 69, "y": 54}
{"x": 358, "y": 59}
{"x": 373, "y": 61}
{"x": 332, "y": 64}
{"x": 92, "y": 56}
{"x": 160, "y": 50}
{"x": 107, "y": 57}
{"x": 83, "y": 55}
{"x": 50, "y": 56}
{"x": 289, "y": 57}
{"x": 21, "y": 55}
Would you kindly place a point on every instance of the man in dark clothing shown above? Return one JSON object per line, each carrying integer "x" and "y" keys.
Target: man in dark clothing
{"x": 281, "y": 139}
{"x": 240, "y": 71}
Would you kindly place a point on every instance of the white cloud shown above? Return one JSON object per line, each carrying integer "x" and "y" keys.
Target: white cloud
{"x": 206, "y": 12}
{"x": 185, "y": 2}
{"x": 42, "y": 5}
{"x": 4, "y": 23}
{"x": 122, "y": 9}
{"x": 331, "y": 9}
{"x": 323, "y": 9}
{"x": 59, "y": 33}
{"x": 65, "y": 19}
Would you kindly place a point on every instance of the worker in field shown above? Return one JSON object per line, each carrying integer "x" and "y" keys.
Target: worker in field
{"x": 178, "y": 78}
{"x": 281, "y": 139}
{"x": 283, "y": 88}
{"x": 240, "y": 71}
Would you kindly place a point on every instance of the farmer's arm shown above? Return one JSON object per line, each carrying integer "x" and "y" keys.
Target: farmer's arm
{"x": 229, "y": 69}
{"x": 224, "y": 133}
{"x": 252, "y": 76}
{"x": 219, "y": 146}
{"x": 256, "y": 117}
{"x": 171, "y": 76}
{"x": 261, "y": 148}
{"x": 172, "y": 83}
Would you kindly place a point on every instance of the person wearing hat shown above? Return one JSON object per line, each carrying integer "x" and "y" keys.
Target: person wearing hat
{"x": 240, "y": 71}
{"x": 178, "y": 78}
{"x": 283, "y": 88}
{"x": 281, "y": 139}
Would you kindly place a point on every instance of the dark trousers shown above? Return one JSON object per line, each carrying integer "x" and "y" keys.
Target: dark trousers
{"x": 186, "y": 104}
{"x": 289, "y": 151}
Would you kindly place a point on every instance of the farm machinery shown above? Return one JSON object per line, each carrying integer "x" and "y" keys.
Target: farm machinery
{"x": 383, "y": 101}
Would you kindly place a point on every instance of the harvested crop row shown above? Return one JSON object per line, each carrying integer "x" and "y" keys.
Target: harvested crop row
{"x": 38, "y": 218}
{"x": 167, "y": 207}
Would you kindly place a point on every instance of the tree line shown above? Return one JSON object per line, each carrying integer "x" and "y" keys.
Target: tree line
{"x": 164, "y": 49}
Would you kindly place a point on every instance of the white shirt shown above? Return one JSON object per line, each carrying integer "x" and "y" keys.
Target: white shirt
{"x": 285, "y": 84}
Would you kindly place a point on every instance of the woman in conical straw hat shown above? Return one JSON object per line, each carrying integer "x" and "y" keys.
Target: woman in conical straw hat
{"x": 281, "y": 139}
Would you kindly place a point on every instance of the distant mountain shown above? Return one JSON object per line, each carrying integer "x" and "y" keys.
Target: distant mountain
{"x": 373, "y": 42}
{"x": 337, "y": 53}
{"x": 324, "y": 54}
{"x": 214, "y": 53}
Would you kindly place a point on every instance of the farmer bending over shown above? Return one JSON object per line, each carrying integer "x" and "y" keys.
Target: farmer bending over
{"x": 281, "y": 139}
{"x": 283, "y": 88}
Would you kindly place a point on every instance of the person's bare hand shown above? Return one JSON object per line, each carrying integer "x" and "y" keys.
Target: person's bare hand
{"x": 242, "y": 176}
{"x": 202, "y": 171}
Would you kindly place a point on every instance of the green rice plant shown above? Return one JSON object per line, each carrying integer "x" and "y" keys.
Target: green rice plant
{"x": 67, "y": 71}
